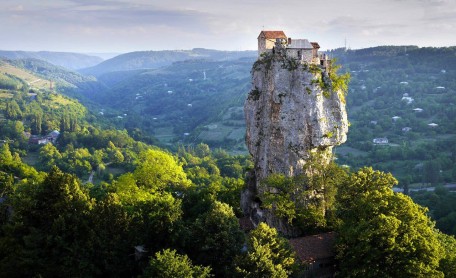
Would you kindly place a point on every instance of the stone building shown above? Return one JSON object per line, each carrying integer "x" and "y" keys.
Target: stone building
{"x": 268, "y": 39}
{"x": 299, "y": 49}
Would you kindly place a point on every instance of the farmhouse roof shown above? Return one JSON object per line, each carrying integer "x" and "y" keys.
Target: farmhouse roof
{"x": 301, "y": 44}
{"x": 273, "y": 34}
{"x": 54, "y": 133}
{"x": 312, "y": 248}
{"x": 315, "y": 45}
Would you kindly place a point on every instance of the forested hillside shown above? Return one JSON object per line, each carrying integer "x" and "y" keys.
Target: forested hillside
{"x": 408, "y": 96}
{"x": 192, "y": 101}
{"x": 86, "y": 191}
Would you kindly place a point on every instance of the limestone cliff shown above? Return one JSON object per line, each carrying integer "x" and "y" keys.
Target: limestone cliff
{"x": 291, "y": 111}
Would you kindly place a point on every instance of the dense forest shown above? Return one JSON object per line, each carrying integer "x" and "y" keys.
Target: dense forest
{"x": 103, "y": 197}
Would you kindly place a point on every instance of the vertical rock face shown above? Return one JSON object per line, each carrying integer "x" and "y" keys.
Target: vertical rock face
{"x": 290, "y": 112}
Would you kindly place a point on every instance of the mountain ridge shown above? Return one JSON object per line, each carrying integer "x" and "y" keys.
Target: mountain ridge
{"x": 69, "y": 60}
{"x": 156, "y": 59}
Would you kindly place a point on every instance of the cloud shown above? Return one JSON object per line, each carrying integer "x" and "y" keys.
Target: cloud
{"x": 118, "y": 25}
{"x": 113, "y": 14}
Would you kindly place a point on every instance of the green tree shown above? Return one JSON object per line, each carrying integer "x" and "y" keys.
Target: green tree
{"x": 216, "y": 238}
{"x": 111, "y": 240}
{"x": 202, "y": 150}
{"x": 6, "y": 189}
{"x": 49, "y": 156}
{"x": 383, "y": 234}
{"x": 13, "y": 111}
{"x": 432, "y": 172}
{"x": 268, "y": 255}
{"x": 158, "y": 170}
{"x": 448, "y": 262}
{"x": 6, "y": 157}
{"x": 307, "y": 200}
{"x": 36, "y": 122}
{"x": 169, "y": 264}
{"x": 51, "y": 227}
{"x": 155, "y": 214}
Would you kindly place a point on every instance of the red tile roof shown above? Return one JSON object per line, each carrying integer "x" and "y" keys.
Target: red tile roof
{"x": 273, "y": 34}
{"x": 312, "y": 248}
{"x": 315, "y": 45}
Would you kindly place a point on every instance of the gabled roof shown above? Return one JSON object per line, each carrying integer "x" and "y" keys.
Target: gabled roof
{"x": 315, "y": 45}
{"x": 312, "y": 248}
{"x": 54, "y": 133}
{"x": 300, "y": 44}
{"x": 273, "y": 34}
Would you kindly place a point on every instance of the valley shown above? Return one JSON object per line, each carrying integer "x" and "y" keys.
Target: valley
{"x": 162, "y": 144}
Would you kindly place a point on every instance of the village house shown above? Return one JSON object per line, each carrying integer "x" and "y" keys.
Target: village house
{"x": 380, "y": 141}
{"x": 37, "y": 140}
{"x": 317, "y": 254}
{"x": 407, "y": 99}
{"x": 299, "y": 49}
{"x": 42, "y": 140}
{"x": 53, "y": 135}
{"x": 406, "y": 129}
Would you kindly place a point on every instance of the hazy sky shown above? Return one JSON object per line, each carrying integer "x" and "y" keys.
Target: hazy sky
{"x": 123, "y": 26}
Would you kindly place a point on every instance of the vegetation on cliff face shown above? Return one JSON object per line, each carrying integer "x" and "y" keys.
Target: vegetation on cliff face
{"x": 305, "y": 201}
{"x": 339, "y": 82}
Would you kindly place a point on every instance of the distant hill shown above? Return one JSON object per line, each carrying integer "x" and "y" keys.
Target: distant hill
{"x": 104, "y": 55}
{"x": 15, "y": 78}
{"x": 156, "y": 59}
{"x": 194, "y": 100}
{"x": 69, "y": 82}
{"x": 67, "y": 60}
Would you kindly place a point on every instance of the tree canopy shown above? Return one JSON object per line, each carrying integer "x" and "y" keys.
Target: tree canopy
{"x": 384, "y": 234}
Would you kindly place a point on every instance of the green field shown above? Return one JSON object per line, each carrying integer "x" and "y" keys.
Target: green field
{"x": 32, "y": 80}
{"x": 32, "y": 158}
{"x": 164, "y": 134}
{"x": 345, "y": 150}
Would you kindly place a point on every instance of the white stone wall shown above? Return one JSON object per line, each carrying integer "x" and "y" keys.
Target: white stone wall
{"x": 265, "y": 45}
{"x": 261, "y": 45}
{"x": 306, "y": 54}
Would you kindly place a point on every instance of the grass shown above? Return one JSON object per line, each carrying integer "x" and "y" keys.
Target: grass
{"x": 236, "y": 134}
{"x": 32, "y": 158}
{"x": 344, "y": 150}
{"x": 164, "y": 134}
{"x": 115, "y": 171}
{"x": 34, "y": 81}
{"x": 217, "y": 132}
{"x": 5, "y": 94}
{"x": 61, "y": 100}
